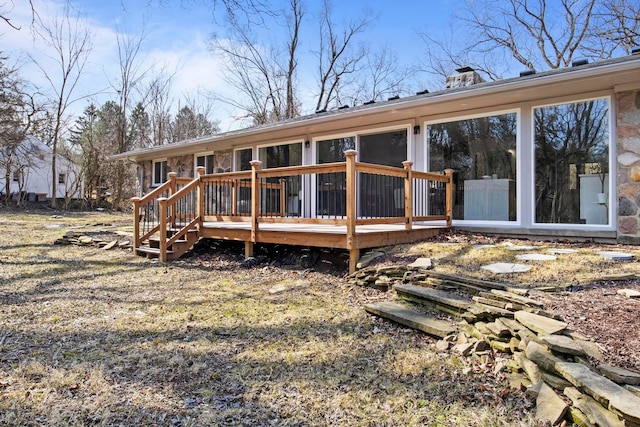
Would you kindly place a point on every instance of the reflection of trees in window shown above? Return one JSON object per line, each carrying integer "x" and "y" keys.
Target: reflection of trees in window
{"x": 331, "y": 187}
{"x": 332, "y": 150}
{"x": 277, "y": 156}
{"x": 570, "y": 140}
{"x": 379, "y": 194}
{"x": 474, "y": 148}
{"x": 388, "y": 149}
{"x": 243, "y": 159}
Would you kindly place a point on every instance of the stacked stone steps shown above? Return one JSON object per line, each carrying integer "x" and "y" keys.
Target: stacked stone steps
{"x": 556, "y": 367}
{"x": 407, "y": 315}
{"x": 560, "y": 368}
{"x": 444, "y": 301}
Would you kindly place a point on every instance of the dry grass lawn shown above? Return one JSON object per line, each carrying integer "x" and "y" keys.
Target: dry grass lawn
{"x": 95, "y": 337}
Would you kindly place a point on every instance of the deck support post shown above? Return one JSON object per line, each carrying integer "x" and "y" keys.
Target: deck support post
{"x": 248, "y": 250}
{"x": 449, "y": 196}
{"x": 162, "y": 202}
{"x": 354, "y": 257}
{"x": 408, "y": 195}
{"x": 255, "y": 198}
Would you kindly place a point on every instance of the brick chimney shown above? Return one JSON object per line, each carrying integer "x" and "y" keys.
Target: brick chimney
{"x": 466, "y": 76}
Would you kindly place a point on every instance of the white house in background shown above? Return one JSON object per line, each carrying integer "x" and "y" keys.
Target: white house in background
{"x": 29, "y": 167}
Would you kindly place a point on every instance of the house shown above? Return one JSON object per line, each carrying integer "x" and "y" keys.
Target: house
{"x": 28, "y": 167}
{"x": 552, "y": 154}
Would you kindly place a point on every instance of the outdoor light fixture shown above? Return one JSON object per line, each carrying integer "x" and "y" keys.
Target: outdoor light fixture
{"x": 306, "y": 144}
{"x": 416, "y": 130}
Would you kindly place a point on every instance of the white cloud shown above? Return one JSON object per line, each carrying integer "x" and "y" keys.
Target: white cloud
{"x": 185, "y": 55}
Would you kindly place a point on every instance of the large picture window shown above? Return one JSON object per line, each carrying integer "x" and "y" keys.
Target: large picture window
{"x": 382, "y": 196}
{"x": 278, "y": 156}
{"x": 482, "y": 153}
{"x": 331, "y": 187}
{"x": 572, "y": 162}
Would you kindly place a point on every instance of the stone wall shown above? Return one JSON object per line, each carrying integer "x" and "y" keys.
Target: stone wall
{"x": 184, "y": 167}
{"x": 628, "y": 148}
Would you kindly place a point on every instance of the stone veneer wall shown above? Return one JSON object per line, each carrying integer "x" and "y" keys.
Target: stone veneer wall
{"x": 184, "y": 167}
{"x": 628, "y": 148}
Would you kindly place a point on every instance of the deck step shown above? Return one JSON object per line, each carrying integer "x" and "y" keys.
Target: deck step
{"x": 156, "y": 240}
{"x": 447, "y": 302}
{"x": 408, "y": 316}
{"x": 151, "y": 252}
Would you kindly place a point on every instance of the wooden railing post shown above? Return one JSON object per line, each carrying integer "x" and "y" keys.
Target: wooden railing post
{"x": 255, "y": 198}
{"x": 162, "y": 203}
{"x": 408, "y": 195}
{"x": 354, "y": 252}
{"x": 234, "y": 196}
{"x": 173, "y": 188}
{"x": 200, "y": 195}
{"x": 449, "y": 196}
{"x": 283, "y": 197}
{"x": 136, "y": 222}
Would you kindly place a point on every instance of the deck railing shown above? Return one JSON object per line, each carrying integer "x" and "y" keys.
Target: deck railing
{"x": 346, "y": 193}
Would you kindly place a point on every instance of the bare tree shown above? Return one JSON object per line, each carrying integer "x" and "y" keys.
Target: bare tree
{"x": 70, "y": 43}
{"x": 157, "y": 105}
{"x": 129, "y": 80}
{"x": 380, "y": 76}
{"x": 17, "y": 112}
{"x": 4, "y": 14}
{"x": 337, "y": 58}
{"x": 538, "y": 34}
{"x": 616, "y": 26}
{"x": 265, "y": 74}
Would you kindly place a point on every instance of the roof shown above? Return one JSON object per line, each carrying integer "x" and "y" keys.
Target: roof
{"x": 601, "y": 75}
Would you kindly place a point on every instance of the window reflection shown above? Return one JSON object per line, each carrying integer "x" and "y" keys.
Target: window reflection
{"x": 572, "y": 163}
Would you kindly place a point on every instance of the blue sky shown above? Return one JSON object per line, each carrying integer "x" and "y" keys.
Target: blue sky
{"x": 178, "y": 35}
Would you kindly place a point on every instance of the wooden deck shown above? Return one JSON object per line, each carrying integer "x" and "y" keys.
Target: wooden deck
{"x": 347, "y": 205}
{"x": 322, "y": 235}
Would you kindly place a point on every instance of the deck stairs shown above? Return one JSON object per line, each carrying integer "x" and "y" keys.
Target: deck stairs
{"x": 437, "y": 310}
{"x": 151, "y": 248}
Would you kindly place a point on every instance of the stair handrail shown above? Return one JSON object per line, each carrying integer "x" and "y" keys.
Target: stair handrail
{"x": 140, "y": 202}
{"x": 167, "y": 204}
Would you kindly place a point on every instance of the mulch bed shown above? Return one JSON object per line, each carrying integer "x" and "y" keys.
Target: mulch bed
{"x": 612, "y": 320}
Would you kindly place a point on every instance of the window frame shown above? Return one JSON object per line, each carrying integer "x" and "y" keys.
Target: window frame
{"x": 519, "y": 205}
{"x": 236, "y": 158}
{"x": 256, "y": 153}
{"x": 206, "y": 155}
{"x": 153, "y": 171}
{"x": 612, "y": 184}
